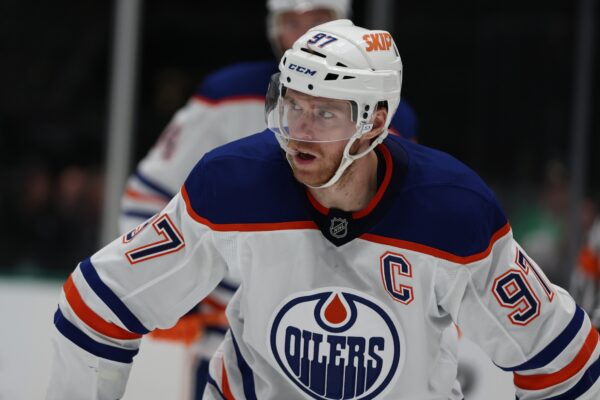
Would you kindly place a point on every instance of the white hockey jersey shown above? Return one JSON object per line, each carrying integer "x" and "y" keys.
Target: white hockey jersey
{"x": 332, "y": 304}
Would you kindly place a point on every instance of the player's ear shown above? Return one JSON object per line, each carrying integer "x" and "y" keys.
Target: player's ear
{"x": 379, "y": 118}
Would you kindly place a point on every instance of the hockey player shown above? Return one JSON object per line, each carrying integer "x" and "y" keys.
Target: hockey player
{"x": 227, "y": 106}
{"x": 356, "y": 250}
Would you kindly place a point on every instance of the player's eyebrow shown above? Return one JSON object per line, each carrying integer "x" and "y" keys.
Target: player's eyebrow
{"x": 331, "y": 105}
{"x": 339, "y": 105}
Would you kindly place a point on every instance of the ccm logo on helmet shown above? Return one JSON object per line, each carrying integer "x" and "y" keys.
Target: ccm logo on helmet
{"x": 336, "y": 343}
{"x": 378, "y": 41}
{"x": 302, "y": 70}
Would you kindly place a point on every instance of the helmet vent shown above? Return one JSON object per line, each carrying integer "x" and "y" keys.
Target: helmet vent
{"x": 316, "y": 53}
{"x": 348, "y": 77}
{"x": 284, "y": 60}
{"x": 339, "y": 64}
{"x": 331, "y": 77}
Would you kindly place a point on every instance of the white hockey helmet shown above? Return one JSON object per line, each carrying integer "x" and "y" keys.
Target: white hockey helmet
{"x": 340, "y": 9}
{"x": 341, "y": 61}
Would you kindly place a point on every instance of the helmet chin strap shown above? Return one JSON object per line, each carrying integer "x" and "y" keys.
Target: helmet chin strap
{"x": 347, "y": 158}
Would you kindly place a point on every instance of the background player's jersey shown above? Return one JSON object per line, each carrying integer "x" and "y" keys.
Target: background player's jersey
{"x": 228, "y": 105}
{"x": 332, "y": 304}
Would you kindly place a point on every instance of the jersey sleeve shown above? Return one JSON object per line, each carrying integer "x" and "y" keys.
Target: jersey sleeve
{"x": 501, "y": 299}
{"x": 146, "y": 279}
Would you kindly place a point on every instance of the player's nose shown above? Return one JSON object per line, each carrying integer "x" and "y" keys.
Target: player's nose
{"x": 304, "y": 128}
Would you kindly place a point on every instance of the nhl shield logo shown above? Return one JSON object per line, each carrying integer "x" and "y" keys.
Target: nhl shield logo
{"x": 338, "y": 228}
{"x": 337, "y": 343}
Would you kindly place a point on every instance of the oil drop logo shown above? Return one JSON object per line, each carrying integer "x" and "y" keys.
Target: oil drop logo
{"x": 336, "y": 343}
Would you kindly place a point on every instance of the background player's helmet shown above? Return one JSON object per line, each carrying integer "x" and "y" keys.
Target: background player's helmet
{"x": 339, "y": 8}
{"x": 338, "y": 60}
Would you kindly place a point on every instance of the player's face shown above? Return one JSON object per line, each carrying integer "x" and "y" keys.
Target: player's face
{"x": 317, "y": 119}
{"x": 319, "y": 130}
{"x": 293, "y": 24}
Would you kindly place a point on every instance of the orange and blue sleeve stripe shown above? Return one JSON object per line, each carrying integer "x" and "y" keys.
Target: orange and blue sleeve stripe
{"x": 555, "y": 347}
{"x": 78, "y": 337}
{"x": 575, "y": 366}
{"x": 134, "y": 331}
{"x": 225, "y": 392}
{"x": 246, "y": 371}
{"x": 242, "y": 366}
{"x": 153, "y": 186}
{"x": 152, "y": 194}
{"x": 90, "y": 318}
{"x": 110, "y": 299}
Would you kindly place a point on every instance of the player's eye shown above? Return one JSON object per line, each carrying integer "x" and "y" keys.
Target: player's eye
{"x": 323, "y": 113}
{"x": 294, "y": 106}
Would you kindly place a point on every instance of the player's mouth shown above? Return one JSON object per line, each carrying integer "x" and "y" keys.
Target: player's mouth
{"x": 301, "y": 155}
{"x": 305, "y": 156}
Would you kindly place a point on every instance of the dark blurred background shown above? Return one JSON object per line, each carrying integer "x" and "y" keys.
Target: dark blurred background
{"x": 491, "y": 81}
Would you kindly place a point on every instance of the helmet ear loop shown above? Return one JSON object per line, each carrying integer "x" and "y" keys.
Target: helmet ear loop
{"x": 366, "y": 125}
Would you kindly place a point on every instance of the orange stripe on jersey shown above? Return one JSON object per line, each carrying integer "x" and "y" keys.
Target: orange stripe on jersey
{"x": 320, "y": 208}
{"x": 92, "y": 319}
{"x": 421, "y": 248}
{"x": 213, "y": 319}
{"x": 542, "y": 381}
{"x": 225, "y": 384}
{"x": 230, "y": 99}
{"x": 394, "y": 132}
{"x": 251, "y": 227}
{"x": 589, "y": 263}
{"x": 214, "y": 303}
{"x": 382, "y": 188}
{"x": 134, "y": 194}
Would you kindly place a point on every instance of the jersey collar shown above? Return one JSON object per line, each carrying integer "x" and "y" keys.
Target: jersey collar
{"x": 340, "y": 227}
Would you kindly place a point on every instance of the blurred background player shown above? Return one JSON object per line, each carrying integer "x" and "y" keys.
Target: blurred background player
{"x": 585, "y": 279}
{"x": 228, "y": 102}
